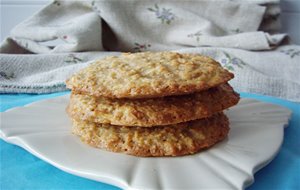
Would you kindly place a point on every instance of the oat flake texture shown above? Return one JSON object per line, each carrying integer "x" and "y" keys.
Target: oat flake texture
{"x": 153, "y": 111}
{"x": 174, "y": 140}
{"x": 148, "y": 75}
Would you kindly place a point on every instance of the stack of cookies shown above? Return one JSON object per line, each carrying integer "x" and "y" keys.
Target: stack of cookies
{"x": 152, "y": 103}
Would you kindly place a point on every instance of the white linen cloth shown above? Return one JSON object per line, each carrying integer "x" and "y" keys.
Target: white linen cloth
{"x": 88, "y": 30}
{"x": 271, "y": 19}
{"x": 134, "y": 25}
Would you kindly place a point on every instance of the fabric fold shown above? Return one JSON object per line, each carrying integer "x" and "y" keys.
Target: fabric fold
{"x": 76, "y": 26}
{"x": 274, "y": 73}
{"x": 73, "y": 24}
{"x": 67, "y": 35}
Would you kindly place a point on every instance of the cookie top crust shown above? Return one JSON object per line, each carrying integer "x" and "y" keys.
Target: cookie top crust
{"x": 148, "y": 75}
{"x": 155, "y": 111}
{"x": 176, "y": 140}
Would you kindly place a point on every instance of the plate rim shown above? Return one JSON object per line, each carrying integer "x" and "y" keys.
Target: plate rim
{"x": 113, "y": 181}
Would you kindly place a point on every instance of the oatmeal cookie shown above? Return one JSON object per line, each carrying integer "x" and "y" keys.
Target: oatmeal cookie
{"x": 155, "y": 111}
{"x": 174, "y": 140}
{"x": 148, "y": 75}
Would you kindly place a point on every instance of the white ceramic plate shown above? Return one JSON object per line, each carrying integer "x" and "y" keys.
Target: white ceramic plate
{"x": 256, "y": 134}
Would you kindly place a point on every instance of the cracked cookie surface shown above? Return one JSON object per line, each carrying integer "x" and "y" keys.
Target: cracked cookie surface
{"x": 174, "y": 140}
{"x": 155, "y": 111}
{"x": 148, "y": 75}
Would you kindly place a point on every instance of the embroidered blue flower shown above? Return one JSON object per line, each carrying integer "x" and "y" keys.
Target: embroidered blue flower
{"x": 165, "y": 15}
{"x": 195, "y": 35}
{"x": 235, "y": 61}
{"x": 224, "y": 61}
{"x": 73, "y": 59}
{"x": 230, "y": 62}
{"x": 141, "y": 47}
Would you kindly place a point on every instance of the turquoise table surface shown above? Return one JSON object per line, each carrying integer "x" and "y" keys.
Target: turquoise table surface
{"x": 21, "y": 170}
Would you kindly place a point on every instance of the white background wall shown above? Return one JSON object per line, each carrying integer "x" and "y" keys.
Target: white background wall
{"x": 14, "y": 11}
{"x": 291, "y": 19}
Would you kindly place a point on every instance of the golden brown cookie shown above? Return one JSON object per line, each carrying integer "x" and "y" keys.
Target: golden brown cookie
{"x": 173, "y": 140}
{"x": 152, "y": 112}
{"x": 149, "y": 74}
